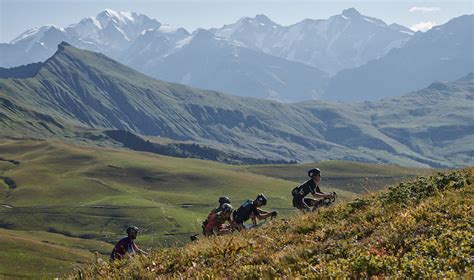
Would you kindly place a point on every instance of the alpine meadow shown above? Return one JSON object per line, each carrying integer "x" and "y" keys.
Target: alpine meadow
{"x": 336, "y": 146}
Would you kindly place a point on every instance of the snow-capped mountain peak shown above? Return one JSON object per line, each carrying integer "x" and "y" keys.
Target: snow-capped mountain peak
{"x": 117, "y": 17}
{"x": 111, "y": 29}
{"x": 251, "y": 32}
{"x": 257, "y": 21}
{"x": 35, "y": 33}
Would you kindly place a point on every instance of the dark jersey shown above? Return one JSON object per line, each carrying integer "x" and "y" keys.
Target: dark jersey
{"x": 245, "y": 210}
{"x": 306, "y": 188}
{"x": 124, "y": 246}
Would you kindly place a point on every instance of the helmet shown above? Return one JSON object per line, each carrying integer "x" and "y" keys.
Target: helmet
{"x": 226, "y": 207}
{"x": 224, "y": 199}
{"x": 132, "y": 228}
{"x": 313, "y": 172}
{"x": 262, "y": 199}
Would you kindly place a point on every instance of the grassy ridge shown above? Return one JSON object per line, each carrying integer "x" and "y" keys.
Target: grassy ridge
{"x": 418, "y": 229}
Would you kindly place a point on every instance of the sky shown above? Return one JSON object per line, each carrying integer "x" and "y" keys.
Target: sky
{"x": 16, "y": 16}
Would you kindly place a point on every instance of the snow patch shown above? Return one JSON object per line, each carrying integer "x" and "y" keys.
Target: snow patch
{"x": 184, "y": 42}
{"x": 122, "y": 16}
{"x": 146, "y": 30}
{"x": 371, "y": 21}
{"x": 37, "y": 32}
{"x": 423, "y": 26}
{"x": 123, "y": 33}
{"x": 165, "y": 28}
{"x": 96, "y": 22}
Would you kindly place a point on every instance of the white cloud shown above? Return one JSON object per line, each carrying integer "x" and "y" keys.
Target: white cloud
{"x": 423, "y": 26}
{"x": 424, "y": 9}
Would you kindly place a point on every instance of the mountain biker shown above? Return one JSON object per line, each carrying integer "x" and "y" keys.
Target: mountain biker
{"x": 222, "y": 200}
{"x": 216, "y": 221}
{"x": 127, "y": 245}
{"x": 311, "y": 186}
{"x": 250, "y": 209}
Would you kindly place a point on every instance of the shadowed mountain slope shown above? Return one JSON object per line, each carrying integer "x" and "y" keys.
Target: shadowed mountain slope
{"x": 85, "y": 89}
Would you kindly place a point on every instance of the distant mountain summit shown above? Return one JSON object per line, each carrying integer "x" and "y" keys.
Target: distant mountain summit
{"x": 110, "y": 32}
{"x": 443, "y": 53}
{"x": 251, "y": 32}
{"x": 342, "y": 41}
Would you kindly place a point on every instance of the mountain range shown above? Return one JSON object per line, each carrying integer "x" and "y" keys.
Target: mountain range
{"x": 339, "y": 42}
{"x": 206, "y": 61}
{"x": 78, "y": 92}
{"x": 345, "y": 57}
{"x": 442, "y": 53}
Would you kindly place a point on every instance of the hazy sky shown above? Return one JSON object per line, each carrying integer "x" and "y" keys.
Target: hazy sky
{"x": 16, "y": 16}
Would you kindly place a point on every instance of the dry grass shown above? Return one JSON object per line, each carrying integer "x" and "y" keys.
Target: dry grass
{"x": 418, "y": 229}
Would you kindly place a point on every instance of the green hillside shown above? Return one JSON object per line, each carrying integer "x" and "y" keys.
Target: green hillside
{"x": 89, "y": 195}
{"x": 35, "y": 254}
{"x": 420, "y": 229}
{"x": 77, "y": 92}
{"x": 96, "y": 193}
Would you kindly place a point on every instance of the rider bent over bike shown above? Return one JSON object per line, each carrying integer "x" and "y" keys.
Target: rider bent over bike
{"x": 307, "y": 204}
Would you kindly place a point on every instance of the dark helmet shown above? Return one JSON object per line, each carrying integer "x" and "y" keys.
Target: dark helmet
{"x": 132, "y": 228}
{"x": 262, "y": 199}
{"x": 223, "y": 199}
{"x": 313, "y": 172}
{"x": 226, "y": 207}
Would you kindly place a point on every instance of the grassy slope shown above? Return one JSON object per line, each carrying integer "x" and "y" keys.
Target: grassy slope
{"x": 95, "y": 193}
{"x": 42, "y": 254}
{"x": 88, "y": 192}
{"x": 418, "y": 229}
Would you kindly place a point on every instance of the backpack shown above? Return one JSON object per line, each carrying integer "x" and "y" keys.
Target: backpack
{"x": 241, "y": 212}
{"x": 297, "y": 191}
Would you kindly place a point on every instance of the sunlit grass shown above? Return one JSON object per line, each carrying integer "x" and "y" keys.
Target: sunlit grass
{"x": 418, "y": 229}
